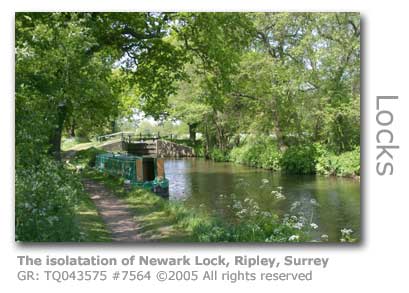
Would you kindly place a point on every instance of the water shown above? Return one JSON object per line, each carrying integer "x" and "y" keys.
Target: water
{"x": 200, "y": 183}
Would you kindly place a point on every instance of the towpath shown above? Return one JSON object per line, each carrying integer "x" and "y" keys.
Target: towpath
{"x": 114, "y": 211}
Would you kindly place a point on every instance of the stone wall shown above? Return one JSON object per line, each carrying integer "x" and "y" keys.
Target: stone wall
{"x": 161, "y": 148}
{"x": 166, "y": 148}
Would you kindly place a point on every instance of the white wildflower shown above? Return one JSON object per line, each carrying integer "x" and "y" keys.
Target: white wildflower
{"x": 280, "y": 196}
{"x": 295, "y": 205}
{"x": 264, "y": 181}
{"x": 345, "y": 231}
{"x": 324, "y": 237}
{"x": 294, "y": 238}
{"x": 237, "y": 205}
{"x": 314, "y": 226}
{"x": 298, "y": 225}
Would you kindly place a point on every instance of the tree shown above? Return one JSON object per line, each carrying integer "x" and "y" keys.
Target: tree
{"x": 188, "y": 104}
{"x": 66, "y": 59}
{"x": 303, "y": 70}
{"x": 213, "y": 43}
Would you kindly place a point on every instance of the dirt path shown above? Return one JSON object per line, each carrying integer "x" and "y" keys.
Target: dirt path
{"x": 114, "y": 211}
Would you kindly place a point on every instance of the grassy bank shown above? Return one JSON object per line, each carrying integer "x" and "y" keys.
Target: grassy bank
{"x": 169, "y": 221}
{"x": 158, "y": 219}
{"x": 164, "y": 220}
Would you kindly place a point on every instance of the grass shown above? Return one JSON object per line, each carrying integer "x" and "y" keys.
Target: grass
{"x": 155, "y": 215}
{"x": 72, "y": 145}
{"x": 92, "y": 227}
{"x": 168, "y": 221}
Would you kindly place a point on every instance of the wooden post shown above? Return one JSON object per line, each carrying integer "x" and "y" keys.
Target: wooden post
{"x": 139, "y": 170}
{"x": 160, "y": 169}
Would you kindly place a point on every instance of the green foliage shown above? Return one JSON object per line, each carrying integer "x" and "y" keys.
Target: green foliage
{"x": 61, "y": 75}
{"x": 218, "y": 155}
{"x": 261, "y": 152}
{"x": 345, "y": 164}
{"x": 252, "y": 225}
{"x": 216, "y": 41}
{"x": 296, "y": 76}
{"x": 51, "y": 205}
{"x": 342, "y": 126}
{"x": 292, "y": 76}
{"x": 299, "y": 159}
{"x": 46, "y": 197}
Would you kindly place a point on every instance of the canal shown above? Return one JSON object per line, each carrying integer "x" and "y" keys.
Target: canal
{"x": 330, "y": 202}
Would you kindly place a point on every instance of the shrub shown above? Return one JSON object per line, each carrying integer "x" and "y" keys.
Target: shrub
{"x": 218, "y": 155}
{"x": 46, "y": 196}
{"x": 344, "y": 164}
{"x": 270, "y": 157}
{"x": 300, "y": 159}
{"x": 259, "y": 152}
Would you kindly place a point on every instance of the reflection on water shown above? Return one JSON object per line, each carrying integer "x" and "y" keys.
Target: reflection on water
{"x": 332, "y": 203}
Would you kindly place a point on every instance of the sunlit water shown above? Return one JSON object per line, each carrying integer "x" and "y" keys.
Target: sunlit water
{"x": 200, "y": 183}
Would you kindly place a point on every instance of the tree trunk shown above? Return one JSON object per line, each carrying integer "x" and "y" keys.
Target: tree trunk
{"x": 279, "y": 135}
{"x": 207, "y": 143}
{"x": 113, "y": 126}
{"x": 277, "y": 127}
{"x": 55, "y": 139}
{"x": 317, "y": 130}
{"x": 192, "y": 132}
{"x": 72, "y": 128}
{"x": 237, "y": 140}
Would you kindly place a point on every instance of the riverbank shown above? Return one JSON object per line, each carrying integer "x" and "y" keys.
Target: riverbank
{"x": 239, "y": 215}
{"x": 172, "y": 221}
{"x": 305, "y": 159}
